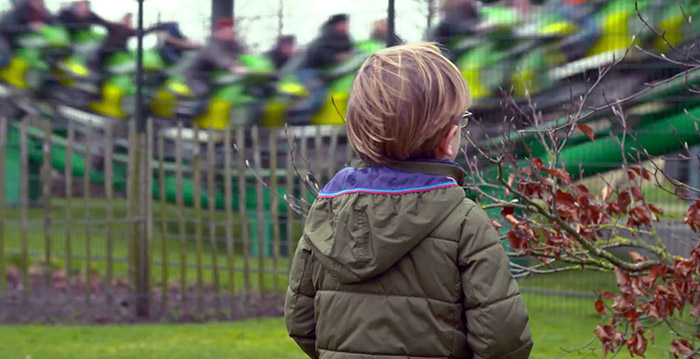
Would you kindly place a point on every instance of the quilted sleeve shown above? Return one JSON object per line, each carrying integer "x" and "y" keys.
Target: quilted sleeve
{"x": 299, "y": 302}
{"x": 496, "y": 318}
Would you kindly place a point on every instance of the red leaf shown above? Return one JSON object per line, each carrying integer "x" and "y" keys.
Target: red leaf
{"x": 631, "y": 315}
{"x": 560, "y": 174}
{"x": 599, "y": 306}
{"x": 507, "y": 210}
{"x": 587, "y": 130}
{"x": 537, "y": 163}
{"x": 651, "y": 336}
{"x": 516, "y": 242}
{"x": 637, "y": 194}
{"x": 624, "y": 200}
{"x": 681, "y": 347}
{"x": 640, "y": 171}
{"x": 637, "y": 344}
{"x": 692, "y": 217}
{"x": 655, "y": 209}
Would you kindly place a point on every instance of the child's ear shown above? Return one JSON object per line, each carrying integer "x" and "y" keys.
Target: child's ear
{"x": 445, "y": 148}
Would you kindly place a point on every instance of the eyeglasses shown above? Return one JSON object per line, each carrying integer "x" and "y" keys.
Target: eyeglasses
{"x": 466, "y": 117}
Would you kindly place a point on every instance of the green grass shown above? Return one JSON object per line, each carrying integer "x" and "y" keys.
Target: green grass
{"x": 98, "y": 209}
{"x": 555, "y": 326}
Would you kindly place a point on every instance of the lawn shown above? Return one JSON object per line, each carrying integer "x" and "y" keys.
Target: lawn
{"x": 555, "y": 326}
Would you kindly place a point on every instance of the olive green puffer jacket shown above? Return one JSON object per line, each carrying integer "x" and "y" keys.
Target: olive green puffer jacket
{"x": 397, "y": 263}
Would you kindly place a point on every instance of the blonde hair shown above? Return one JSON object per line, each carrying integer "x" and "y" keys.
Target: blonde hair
{"x": 403, "y": 101}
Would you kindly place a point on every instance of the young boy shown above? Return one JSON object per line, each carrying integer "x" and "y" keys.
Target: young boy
{"x": 395, "y": 262}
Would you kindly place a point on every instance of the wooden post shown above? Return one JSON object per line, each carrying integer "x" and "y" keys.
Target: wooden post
{"x": 3, "y": 145}
{"x": 228, "y": 206}
{"x": 274, "y": 210}
{"x": 197, "y": 217}
{"x": 163, "y": 224}
{"x": 86, "y": 206}
{"x": 260, "y": 208}
{"x": 109, "y": 196}
{"x": 46, "y": 187}
{"x": 24, "y": 199}
{"x": 68, "y": 175}
{"x": 240, "y": 143}
{"x": 179, "y": 198}
{"x": 211, "y": 201}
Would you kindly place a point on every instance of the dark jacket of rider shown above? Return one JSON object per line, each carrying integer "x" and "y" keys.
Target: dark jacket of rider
{"x": 75, "y": 23}
{"x": 19, "y": 19}
{"x": 325, "y": 49}
{"x": 459, "y": 18}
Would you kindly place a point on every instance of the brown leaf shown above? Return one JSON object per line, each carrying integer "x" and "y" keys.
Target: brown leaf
{"x": 587, "y": 130}
{"x": 512, "y": 220}
{"x": 560, "y": 174}
{"x": 631, "y": 315}
{"x": 637, "y": 344}
{"x": 637, "y": 194}
{"x": 623, "y": 201}
{"x": 639, "y": 171}
{"x": 636, "y": 257}
{"x": 656, "y": 209}
{"x": 537, "y": 163}
{"x": 681, "y": 347}
{"x": 692, "y": 217}
{"x": 606, "y": 294}
{"x": 516, "y": 242}
{"x": 607, "y": 192}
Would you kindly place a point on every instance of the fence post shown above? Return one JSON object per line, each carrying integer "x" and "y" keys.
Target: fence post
{"x": 46, "y": 182}
{"x": 228, "y": 205}
{"x": 68, "y": 175}
{"x": 163, "y": 224}
{"x": 274, "y": 209}
{"x": 260, "y": 208}
{"x": 109, "y": 196}
{"x": 3, "y": 144}
{"x": 242, "y": 187}
{"x": 180, "y": 202}
{"x": 86, "y": 207}
{"x": 138, "y": 190}
{"x": 197, "y": 202}
{"x": 24, "y": 199}
{"x": 211, "y": 202}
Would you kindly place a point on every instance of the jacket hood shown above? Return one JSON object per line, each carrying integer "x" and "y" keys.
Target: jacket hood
{"x": 366, "y": 219}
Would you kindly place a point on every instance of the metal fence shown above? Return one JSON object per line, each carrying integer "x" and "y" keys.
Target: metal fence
{"x": 200, "y": 227}
{"x": 218, "y": 231}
